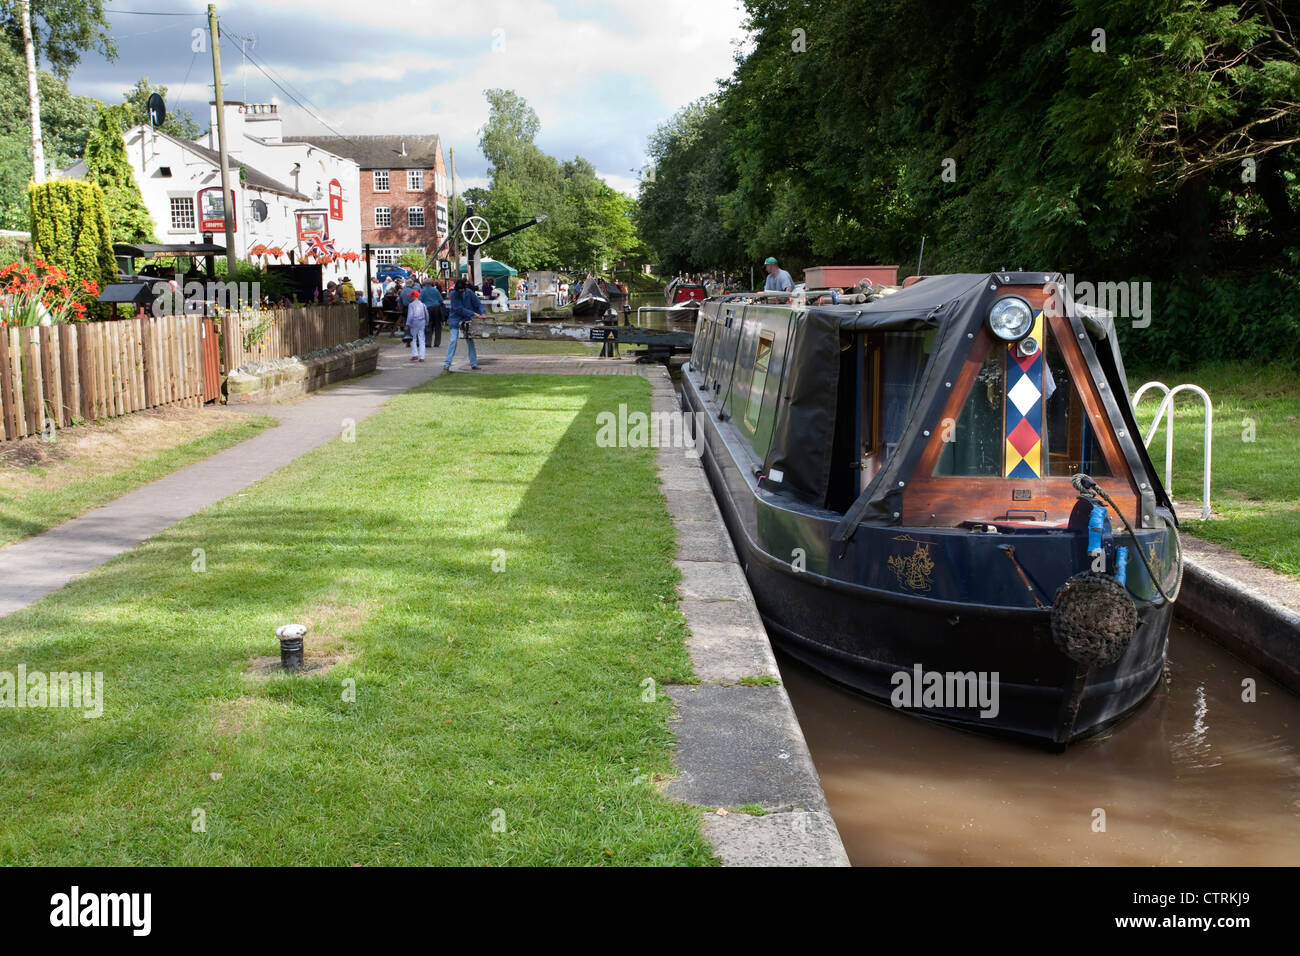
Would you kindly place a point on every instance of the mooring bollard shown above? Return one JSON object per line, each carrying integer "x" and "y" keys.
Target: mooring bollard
{"x": 291, "y": 636}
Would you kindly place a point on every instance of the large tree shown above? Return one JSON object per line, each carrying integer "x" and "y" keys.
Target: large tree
{"x": 588, "y": 223}
{"x": 1154, "y": 136}
{"x": 67, "y": 119}
{"x": 107, "y": 166}
{"x": 63, "y": 31}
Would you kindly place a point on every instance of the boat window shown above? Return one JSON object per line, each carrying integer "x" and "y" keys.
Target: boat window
{"x": 1023, "y": 418}
{"x": 1069, "y": 442}
{"x": 759, "y": 381}
{"x": 903, "y": 358}
{"x": 972, "y": 445}
{"x": 705, "y": 345}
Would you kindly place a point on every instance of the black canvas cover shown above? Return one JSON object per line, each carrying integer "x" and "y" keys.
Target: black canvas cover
{"x": 803, "y": 436}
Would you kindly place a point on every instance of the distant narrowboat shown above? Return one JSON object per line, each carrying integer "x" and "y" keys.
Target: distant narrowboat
{"x": 681, "y": 292}
{"x": 941, "y": 499}
{"x": 593, "y": 299}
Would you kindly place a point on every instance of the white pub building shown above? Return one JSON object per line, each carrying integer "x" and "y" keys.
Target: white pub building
{"x": 284, "y": 193}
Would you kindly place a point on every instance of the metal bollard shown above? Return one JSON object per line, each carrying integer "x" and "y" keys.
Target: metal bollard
{"x": 291, "y": 636}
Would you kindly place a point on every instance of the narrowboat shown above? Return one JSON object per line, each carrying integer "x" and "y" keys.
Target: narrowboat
{"x": 940, "y": 497}
{"x": 681, "y": 292}
{"x": 593, "y": 299}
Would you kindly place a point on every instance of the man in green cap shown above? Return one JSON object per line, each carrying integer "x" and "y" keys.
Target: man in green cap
{"x": 778, "y": 280}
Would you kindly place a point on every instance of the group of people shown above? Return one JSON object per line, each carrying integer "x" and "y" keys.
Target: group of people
{"x": 423, "y": 305}
{"x": 341, "y": 292}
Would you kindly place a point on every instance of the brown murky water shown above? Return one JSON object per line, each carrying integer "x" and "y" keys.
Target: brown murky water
{"x": 1195, "y": 776}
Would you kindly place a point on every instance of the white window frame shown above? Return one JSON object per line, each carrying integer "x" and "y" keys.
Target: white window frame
{"x": 410, "y": 217}
{"x": 387, "y": 257}
{"x": 415, "y": 180}
{"x": 377, "y": 174}
{"x": 193, "y": 214}
{"x": 388, "y": 213}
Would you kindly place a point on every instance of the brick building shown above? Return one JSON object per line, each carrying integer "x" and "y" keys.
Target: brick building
{"x": 404, "y": 190}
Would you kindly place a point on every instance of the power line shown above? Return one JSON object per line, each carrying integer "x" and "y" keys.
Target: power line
{"x": 152, "y": 13}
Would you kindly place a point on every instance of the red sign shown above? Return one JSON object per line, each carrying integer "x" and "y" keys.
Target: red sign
{"x": 212, "y": 214}
{"x": 336, "y": 199}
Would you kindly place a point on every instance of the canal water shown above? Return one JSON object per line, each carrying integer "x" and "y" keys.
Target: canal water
{"x": 1195, "y": 776}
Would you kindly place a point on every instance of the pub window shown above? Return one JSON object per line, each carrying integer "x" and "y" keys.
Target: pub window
{"x": 381, "y": 180}
{"x": 383, "y": 216}
{"x": 754, "y": 410}
{"x": 182, "y": 213}
{"x": 415, "y": 180}
{"x": 415, "y": 216}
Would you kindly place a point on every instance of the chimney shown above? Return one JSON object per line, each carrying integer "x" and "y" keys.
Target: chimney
{"x": 263, "y": 121}
{"x": 234, "y": 126}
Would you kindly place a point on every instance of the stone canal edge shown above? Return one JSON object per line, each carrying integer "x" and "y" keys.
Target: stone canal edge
{"x": 738, "y": 745}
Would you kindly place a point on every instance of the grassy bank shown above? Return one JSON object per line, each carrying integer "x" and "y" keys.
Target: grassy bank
{"x": 43, "y": 485}
{"x": 1255, "y": 485}
{"x": 499, "y": 717}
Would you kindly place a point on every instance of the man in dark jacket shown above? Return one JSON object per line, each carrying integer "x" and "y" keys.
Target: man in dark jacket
{"x": 463, "y": 306}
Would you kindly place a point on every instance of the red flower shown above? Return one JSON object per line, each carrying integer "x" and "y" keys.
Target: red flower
{"x": 40, "y": 263}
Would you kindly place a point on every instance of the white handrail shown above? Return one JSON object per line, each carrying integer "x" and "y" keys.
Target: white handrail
{"x": 1167, "y": 405}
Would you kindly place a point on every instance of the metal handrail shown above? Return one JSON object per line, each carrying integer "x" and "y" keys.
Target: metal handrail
{"x": 1167, "y": 405}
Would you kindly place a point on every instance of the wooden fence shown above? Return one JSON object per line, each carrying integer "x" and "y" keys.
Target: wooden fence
{"x": 90, "y": 370}
{"x": 283, "y": 333}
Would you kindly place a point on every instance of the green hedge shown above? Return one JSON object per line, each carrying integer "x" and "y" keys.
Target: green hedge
{"x": 70, "y": 229}
{"x": 1255, "y": 319}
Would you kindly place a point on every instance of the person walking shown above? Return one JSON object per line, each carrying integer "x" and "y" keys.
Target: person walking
{"x": 463, "y": 307}
{"x": 432, "y": 300}
{"x": 417, "y": 316}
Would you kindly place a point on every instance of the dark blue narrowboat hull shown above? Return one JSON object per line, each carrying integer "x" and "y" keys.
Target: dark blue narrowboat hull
{"x": 859, "y": 619}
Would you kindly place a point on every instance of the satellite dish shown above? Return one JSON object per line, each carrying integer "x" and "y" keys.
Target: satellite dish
{"x": 157, "y": 110}
{"x": 475, "y": 230}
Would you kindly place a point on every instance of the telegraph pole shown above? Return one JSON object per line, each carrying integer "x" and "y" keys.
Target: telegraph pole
{"x": 453, "y": 247}
{"x": 214, "y": 32}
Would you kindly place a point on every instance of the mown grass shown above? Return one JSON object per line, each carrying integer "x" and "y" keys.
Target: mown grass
{"x": 500, "y": 717}
{"x": 31, "y": 510}
{"x": 1255, "y": 474}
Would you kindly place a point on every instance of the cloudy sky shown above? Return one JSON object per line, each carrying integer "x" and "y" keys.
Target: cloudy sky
{"x": 601, "y": 74}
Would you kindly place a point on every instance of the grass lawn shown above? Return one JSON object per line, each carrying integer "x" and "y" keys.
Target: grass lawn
{"x": 499, "y": 716}
{"x": 1255, "y": 475}
{"x": 43, "y": 485}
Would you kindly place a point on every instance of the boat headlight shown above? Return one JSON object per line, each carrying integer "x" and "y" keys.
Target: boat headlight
{"x": 1011, "y": 318}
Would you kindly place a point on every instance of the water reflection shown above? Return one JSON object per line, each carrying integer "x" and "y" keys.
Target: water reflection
{"x": 1196, "y": 776}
